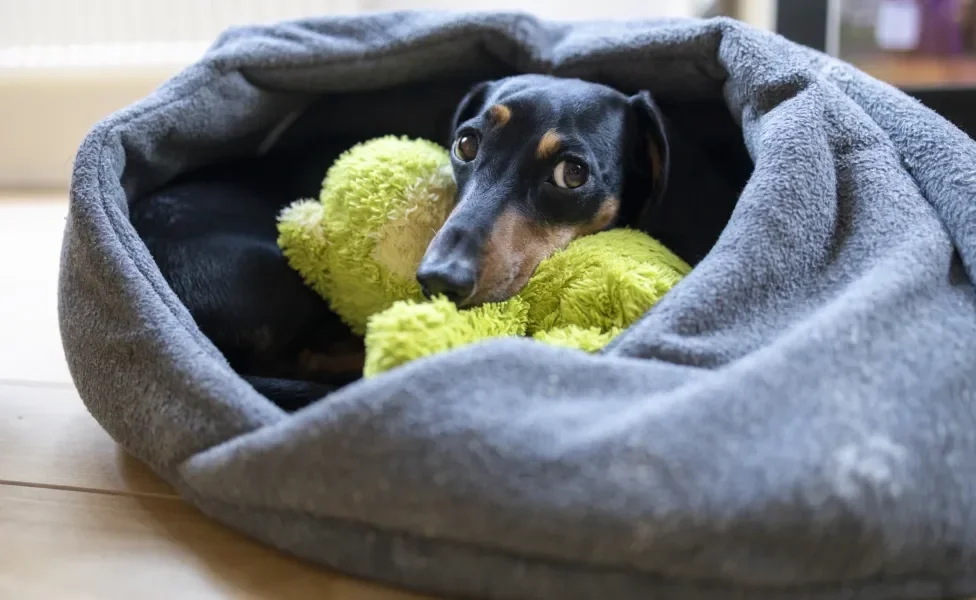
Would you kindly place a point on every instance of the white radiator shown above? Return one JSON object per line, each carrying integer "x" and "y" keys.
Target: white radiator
{"x": 47, "y": 22}
{"x": 96, "y": 33}
{"x": 48, "y": 31}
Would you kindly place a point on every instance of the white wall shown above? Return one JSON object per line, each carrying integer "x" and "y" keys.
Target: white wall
{"x": 64, "y": 64}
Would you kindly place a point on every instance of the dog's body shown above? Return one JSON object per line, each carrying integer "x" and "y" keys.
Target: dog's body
{"x": 213, "y": 235}
{"x": 539, "y": 161}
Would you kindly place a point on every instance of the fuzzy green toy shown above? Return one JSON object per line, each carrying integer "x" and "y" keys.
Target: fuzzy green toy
{"x": 360, "y": 244}
{"x": 382, "y": 201}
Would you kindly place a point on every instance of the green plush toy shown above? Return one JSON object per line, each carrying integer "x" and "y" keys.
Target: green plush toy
{"x": 382, "y": 201}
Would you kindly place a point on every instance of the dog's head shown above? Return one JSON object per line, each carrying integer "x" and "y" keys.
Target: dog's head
{"x": 539, "y": 162}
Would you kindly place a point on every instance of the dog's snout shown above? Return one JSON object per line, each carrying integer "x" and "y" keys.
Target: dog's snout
{"x": 450, "y": 267}
{"x": 453, "y": 280}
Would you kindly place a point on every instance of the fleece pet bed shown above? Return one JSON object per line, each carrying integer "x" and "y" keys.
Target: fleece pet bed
{"x": 797, "y": 419}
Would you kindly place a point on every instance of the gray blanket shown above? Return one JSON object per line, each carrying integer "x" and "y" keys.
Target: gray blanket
{"x": 797, "y": 419}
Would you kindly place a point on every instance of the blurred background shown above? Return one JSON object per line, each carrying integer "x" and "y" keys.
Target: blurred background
{"x": 66, "y": 63}
{"x": 908, "y": 42}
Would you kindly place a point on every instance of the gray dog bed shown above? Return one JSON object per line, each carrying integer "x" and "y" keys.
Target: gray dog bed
{"x": 797, "y": 419}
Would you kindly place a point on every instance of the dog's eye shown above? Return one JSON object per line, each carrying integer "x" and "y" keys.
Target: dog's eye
{"x": 569, "y": 174}
{"x": 466, "y": 147}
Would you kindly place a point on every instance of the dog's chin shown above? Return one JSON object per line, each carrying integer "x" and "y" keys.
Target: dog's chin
{"x": 502, "y": 289}
{"x": 493, "y": 297}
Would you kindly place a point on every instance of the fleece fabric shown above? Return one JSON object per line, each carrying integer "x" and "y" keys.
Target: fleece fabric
{"x": 795, "y": 419}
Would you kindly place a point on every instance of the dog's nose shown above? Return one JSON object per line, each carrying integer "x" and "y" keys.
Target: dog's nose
{"x": 452, "y": 280}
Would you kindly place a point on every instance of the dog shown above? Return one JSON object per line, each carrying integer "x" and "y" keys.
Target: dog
{"x": 213, "y": 235}
{"x": 539, "y": 162}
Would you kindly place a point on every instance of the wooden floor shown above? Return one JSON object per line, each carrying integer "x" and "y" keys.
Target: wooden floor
{"x": 919, "y": 71}
{"x": 78, "y": 517}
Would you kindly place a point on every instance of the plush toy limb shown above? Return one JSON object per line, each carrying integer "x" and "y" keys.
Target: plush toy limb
{"x": 409, "y": 330}
{"x": 303, "y": 241}
{"x": 588, "y": 339}
{"x": 386, "y": 198}
{"x": 360, "y": 244}
{"x": 607, "y": 280}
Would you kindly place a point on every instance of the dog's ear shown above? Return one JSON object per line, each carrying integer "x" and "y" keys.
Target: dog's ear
{"x": 470, "y": 105}
{"x": 652, "y": 156}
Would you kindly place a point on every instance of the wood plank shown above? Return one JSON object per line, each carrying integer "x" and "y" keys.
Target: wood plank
{"x": 47, "y": 437}
{"x": 918, "y": 70}
{"x": 31, "y": 228}
{"x": 80, "y": 518}
{"x": 79, "y": 545}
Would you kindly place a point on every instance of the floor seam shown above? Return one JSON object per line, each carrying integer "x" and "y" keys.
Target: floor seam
{"x": 85, "y": 490}
{"x": 38, "y": 384}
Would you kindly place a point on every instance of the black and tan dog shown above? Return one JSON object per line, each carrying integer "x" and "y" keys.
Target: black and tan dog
{"x": 539, "y": 161}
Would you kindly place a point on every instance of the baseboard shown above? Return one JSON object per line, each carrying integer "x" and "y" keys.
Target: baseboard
{"x": 46, "y": 109}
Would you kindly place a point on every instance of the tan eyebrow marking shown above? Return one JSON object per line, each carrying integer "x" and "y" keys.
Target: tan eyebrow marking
{"x": 548, "y": 145}
{"x": 500, "y": 114}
